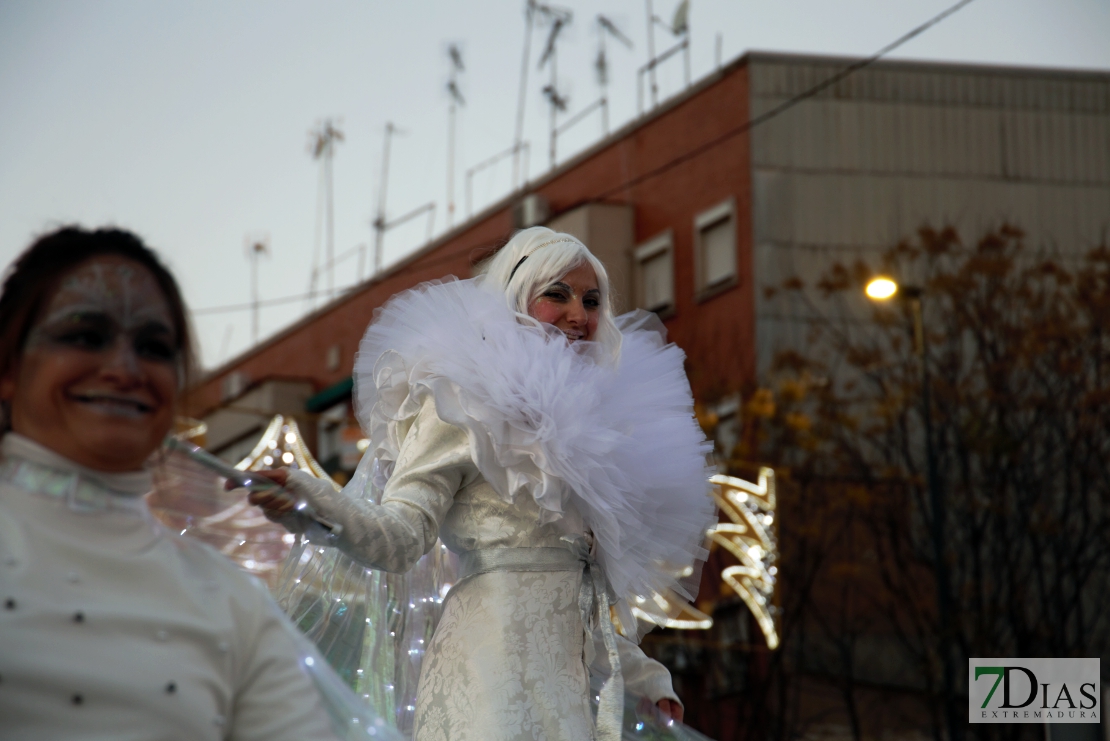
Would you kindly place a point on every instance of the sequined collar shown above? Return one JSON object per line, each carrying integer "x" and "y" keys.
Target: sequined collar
{"x": 34, "y": 468}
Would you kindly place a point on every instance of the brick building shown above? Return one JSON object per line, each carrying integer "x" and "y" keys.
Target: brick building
{"x": 693, "y": 215}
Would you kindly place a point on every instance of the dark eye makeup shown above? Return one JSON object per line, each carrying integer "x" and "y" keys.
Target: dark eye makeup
{"x": 98, "y": 332}
{"x": 562, "y": 292}
{"x": 86, "y": 332}
{"x": 156, "y": 347}
{"x": 558, "y": 292}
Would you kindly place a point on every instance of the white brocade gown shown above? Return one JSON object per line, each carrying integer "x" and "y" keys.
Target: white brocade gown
{"x": 510, "y": 658}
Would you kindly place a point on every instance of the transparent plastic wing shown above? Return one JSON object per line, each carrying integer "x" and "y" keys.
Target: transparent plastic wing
{"x": 190, "y": 498}
{"x": 372, "y": 626}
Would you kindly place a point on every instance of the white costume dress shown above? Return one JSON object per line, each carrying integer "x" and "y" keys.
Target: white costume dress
{"x": 113, "y": 628}
{"x": 517, "y": 450}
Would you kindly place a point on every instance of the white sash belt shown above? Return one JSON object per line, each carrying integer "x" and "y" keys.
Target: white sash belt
{"x": 593, "y": 603}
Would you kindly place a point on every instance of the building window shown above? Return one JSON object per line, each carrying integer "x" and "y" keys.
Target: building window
{"x": 233, "y": 385}
{"x": 715, "y": 243}
{"x": 654, "y": 264}
{"x": 333, "y": 357}
{"x": 726, "y": 433}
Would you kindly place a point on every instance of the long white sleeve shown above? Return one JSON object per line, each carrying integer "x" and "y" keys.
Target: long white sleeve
{"x": 643, "y": 676}
{"x": 434, "y": 463}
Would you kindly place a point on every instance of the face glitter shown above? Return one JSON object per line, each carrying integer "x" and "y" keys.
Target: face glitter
{"x": 109, "y": 307}
{"x": 101, "y": 369}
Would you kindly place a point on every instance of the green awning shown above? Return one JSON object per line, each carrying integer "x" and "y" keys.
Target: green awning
{"x": 330, "y": 396}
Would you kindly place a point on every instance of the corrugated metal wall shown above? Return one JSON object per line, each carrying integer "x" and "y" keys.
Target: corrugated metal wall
{"x": 900, "y": 145}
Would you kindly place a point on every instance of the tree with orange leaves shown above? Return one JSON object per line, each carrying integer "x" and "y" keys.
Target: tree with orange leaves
{"x": 1015, "y": 370}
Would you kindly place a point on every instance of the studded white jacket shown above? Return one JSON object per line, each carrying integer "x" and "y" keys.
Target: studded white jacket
{"x": 113, "y": 628}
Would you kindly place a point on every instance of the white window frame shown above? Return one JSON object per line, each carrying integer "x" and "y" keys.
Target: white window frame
{"x": 660, "y": 243}
{"x": 707, "y": 218}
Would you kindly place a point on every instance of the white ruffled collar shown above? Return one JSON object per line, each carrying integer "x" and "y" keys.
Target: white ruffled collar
{"x": 618, "y": 444}
{"x": 38, "y": 469}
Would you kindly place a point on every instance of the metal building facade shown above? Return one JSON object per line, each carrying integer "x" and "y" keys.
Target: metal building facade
{"x": 899, "y": 145}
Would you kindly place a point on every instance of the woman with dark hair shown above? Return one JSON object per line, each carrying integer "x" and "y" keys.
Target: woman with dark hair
{"x": 111, "y": 627}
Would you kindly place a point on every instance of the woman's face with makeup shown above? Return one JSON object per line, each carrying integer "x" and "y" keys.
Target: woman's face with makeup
{"x": 98, "y": 376}
{"x": 572, "y": 304}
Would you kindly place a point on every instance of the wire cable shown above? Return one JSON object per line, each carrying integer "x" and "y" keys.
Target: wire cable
{"x": 782, "y": 107}
{"x": 671, "y": 164}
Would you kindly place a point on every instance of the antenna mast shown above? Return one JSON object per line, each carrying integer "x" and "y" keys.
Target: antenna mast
{"x": 322, "y": 147}
{"x": 257, "y": 245}
{"x": 380, "y": 224}
{"x": 383, "y": 184}
{"x": 455, "y": 55}
{"x": 679, "y": 28}
{"x": 605, "y": 27}
{"x": 529, "y": 20}
{"x": 601, "y": 65}
{"x": 651, "y": 54}
{"x": 559, "y": 18}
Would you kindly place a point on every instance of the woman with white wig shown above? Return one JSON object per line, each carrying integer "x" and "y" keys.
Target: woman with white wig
{"x": 553, "y": 448}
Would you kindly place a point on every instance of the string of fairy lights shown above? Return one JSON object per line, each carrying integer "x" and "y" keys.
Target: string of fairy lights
{"x": 746, "y": 532}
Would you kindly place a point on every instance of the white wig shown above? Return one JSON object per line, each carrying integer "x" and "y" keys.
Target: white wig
{"x": 537, "y": 257}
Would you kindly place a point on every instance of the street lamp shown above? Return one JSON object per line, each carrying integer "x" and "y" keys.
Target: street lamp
{"x": 882, "y": 288}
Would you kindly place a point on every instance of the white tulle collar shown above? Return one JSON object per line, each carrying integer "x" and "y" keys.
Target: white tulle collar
{"x": 619, "y": 445}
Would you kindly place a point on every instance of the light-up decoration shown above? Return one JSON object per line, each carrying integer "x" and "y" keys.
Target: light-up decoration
{"x": 749, "y": 536}
{"x": 282, "y": 436}
{"x": 191, "y": 430}
{"x": 191, "y": 500}
{"x": 687, "y": 616}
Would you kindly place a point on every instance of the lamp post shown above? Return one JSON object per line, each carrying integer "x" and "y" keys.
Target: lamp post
{"x": 882, "y": 288}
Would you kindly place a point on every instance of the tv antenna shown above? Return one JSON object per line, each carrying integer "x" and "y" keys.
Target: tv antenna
{"x": 546, "y": 14}
{"x": 678, "y": 27}
{"x": 518, "y": 134}
{"x": 383, "y": 186}
{"x": 380, "y": 224}
{"x": 606, "y": 27}
{"x": 455, "y": 57}
{"x": 256, "y": 246}
{"x": 558, "y": 18}
{"x": 321, "y": 146}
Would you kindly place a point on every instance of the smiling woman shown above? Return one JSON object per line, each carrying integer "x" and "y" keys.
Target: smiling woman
{"x": 112, "y": 627}
{"x": 553, "y": 448}
{"x": 94, "y": 346}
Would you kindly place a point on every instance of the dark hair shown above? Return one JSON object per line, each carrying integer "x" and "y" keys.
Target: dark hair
{"x": 30, "y": 282}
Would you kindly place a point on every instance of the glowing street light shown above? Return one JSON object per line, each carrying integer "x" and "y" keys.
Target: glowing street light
{"x": 881, "y": 288}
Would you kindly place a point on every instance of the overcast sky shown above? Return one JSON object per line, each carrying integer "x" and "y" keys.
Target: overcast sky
{"x": 188, "y": 122}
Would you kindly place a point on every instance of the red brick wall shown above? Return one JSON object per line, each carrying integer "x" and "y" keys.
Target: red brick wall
{"x": 717, "y": 334}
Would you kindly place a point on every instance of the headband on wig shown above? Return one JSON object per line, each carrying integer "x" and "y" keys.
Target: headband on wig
{"x": 520, "y": 262}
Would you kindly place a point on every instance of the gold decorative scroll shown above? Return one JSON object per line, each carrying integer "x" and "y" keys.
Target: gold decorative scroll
{"x": 749, "y": 536}
{"x": 684, "y": 616}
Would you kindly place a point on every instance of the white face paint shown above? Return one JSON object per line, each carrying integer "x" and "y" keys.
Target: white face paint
{"x": 97, "y": 380}
{"x": 128, "y": 295}
{"x": 115, "y": 308}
